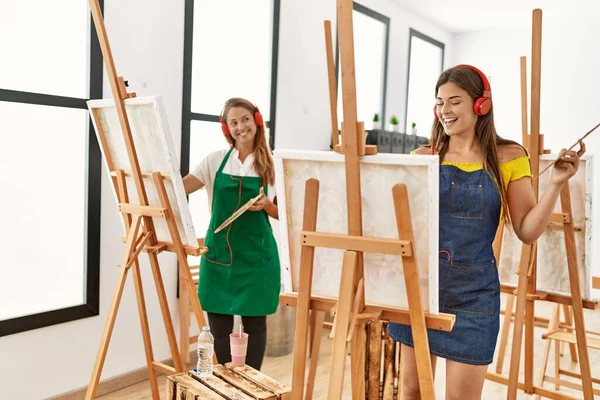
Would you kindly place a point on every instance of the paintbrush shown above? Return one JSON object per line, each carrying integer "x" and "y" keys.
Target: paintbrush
{"x": 569, "y": 149}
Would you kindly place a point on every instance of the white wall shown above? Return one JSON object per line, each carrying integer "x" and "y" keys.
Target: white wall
{"x": 303, "y": 115}
{"x": 569, "y": 101}
{"x": 147, "y": 44}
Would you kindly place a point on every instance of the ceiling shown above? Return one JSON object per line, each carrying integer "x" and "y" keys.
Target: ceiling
{"x": 469, "y": 15}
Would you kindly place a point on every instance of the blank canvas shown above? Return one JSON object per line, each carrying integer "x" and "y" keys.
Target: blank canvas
{"x": 384, "y": 275}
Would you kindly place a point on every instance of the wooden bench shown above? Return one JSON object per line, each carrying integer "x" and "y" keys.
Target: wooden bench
{"x": 227, "y": 382}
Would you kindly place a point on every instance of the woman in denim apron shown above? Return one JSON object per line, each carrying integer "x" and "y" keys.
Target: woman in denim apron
{"x": 483, "y": 179}
{"x": 239, "y": 275}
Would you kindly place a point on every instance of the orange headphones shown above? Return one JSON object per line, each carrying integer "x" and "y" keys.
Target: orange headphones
{"x": 482, "y": 104}
{"x": 258, "y": 120}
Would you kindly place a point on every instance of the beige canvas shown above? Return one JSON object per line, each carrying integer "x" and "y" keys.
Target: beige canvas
{"x": 552, "y": 271}
{"x": 384, "y": 277}
{"x": 155, "y": 153}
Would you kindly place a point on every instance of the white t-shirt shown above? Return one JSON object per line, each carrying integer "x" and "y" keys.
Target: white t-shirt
{"x": 207, "y": 170}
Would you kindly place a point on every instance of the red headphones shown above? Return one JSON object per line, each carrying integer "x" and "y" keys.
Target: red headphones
{"x": 482, "y": 104}
{"x": 258, "y": 120}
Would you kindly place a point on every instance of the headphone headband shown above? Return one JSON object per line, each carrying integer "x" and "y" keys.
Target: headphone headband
{"x": 487, "y": 91}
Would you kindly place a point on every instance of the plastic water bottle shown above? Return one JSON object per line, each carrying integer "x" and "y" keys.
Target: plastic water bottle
{"x": 206, "y": 347}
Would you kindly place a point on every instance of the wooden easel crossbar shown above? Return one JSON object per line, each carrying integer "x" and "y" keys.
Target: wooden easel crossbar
{"x": 140, "y": 232}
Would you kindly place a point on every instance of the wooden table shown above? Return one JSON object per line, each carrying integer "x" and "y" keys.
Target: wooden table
{"x": 227, "y": 382}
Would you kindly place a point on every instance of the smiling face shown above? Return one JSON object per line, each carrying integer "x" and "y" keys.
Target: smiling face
{"x": 242, "y": 126}
{"x": 454, "y": 108}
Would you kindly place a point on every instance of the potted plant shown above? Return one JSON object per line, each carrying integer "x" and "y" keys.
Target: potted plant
{"x": 376, "y": 121}
{"x": 394, "y": 123}
{"x": 414, "y": 128}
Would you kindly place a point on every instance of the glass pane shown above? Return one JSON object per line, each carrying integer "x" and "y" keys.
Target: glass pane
{"x": 424, "y": 70}
{"x": 45, "y": 47}
{"x": 205, "y": 137}
{"x": 369, "y": 63}
{"x": 226, "y": 63}
{"x": 43, "y": 230}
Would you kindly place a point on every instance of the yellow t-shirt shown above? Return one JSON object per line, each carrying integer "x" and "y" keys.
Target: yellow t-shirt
{"x": 511, "y": 170}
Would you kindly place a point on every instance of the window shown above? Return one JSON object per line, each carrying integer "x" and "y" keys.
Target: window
{"x": 425, "y": 64}
{"x": 51, "y": 165}
{"x": 220, "y": 64}
{"x": 371, "y": 38}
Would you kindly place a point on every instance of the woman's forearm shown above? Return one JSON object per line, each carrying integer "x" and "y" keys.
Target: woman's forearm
{"x": 538, "y": 218}
{"x": 272, "y": 210}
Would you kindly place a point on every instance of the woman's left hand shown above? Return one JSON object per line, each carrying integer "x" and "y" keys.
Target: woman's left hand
{"x": 261, "y": 203}
{"x": 568, "y": 164}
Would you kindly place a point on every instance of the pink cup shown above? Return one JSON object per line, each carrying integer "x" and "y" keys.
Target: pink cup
{"x": 239, "y": 345}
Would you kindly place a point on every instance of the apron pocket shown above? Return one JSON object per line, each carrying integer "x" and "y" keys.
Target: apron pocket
{"x": 218, "y": 249}
{"x": 466, "y": 201}
{"x": 468, "y": 289}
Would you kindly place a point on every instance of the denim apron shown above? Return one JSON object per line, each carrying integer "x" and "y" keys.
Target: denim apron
{"x": 239, "y": 275}
{"x": 468, "y": 278}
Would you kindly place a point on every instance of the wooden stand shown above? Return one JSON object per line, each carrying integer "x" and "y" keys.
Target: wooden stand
{"x": 527, "y": 292}
{"x": 351, "y": 311}
{"x": 138, "y": 219}
{"x": 228, "y": 382}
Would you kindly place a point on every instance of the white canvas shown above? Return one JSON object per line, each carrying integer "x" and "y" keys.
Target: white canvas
{"x": 155, "y": 152}
{"x": 552, "y": 269}
{"x": 384, "y": 276}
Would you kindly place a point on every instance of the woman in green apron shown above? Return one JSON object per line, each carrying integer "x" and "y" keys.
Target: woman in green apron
{"x": 239, "y": 275}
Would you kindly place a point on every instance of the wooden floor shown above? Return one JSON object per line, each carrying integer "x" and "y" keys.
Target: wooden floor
{"x": 280, "y": 368}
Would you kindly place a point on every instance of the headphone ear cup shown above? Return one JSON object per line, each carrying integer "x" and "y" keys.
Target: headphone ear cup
{"x": 258, "y": 119}
{"x": 482, "y": 106}
{"x": 224, "y": 126}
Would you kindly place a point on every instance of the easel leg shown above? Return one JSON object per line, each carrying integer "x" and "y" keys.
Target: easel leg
{"x": 582, "y": 348}
{"x": 552, "y": 325}
{"x": 508, "y": 315}
{"x": 338, "y": 357}
{"x": 164, "y": 308}
{"x": 374, "y": 359}
{"x": 357, "y": 352}
{"x": 569, "y": 322}
{"x": 183, "y": 267}
{"x": 112, "y": 311}
{"x": 184, "y": 322}
{"x": 515, "y": 355}
{"x": 309, "y": 223}
{"x": 413, "y": 291}
{"x": 319, "y": 318}
{"x": 139, "y": 292}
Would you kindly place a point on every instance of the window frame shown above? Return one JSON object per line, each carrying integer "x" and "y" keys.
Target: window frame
{"x": 93, "y": 197}
{"x": 187, "y": 115}
{"x": 422, "y": 36}
{"x": 385, "y": 20}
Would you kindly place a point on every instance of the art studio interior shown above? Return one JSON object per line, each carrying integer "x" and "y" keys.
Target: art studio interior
{"x": 272, "y": 170}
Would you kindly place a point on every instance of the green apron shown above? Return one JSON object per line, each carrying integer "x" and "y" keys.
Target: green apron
{"x": 239, "y": 275}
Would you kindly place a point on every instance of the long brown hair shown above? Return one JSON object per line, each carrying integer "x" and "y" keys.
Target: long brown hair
{"x": 263, "y": 161}
{"x": 485, "y": 130}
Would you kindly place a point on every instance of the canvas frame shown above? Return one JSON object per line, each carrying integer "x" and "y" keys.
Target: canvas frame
{"x": 551, "y": 253}
{"x": 426, "y": 165}
{"x": 155, "y": 151}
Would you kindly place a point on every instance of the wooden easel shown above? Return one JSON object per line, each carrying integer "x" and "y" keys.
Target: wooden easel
{"x": 527, "y": 292}
{"x": 138, "y": 219}
{"x": 351, "y": 311}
